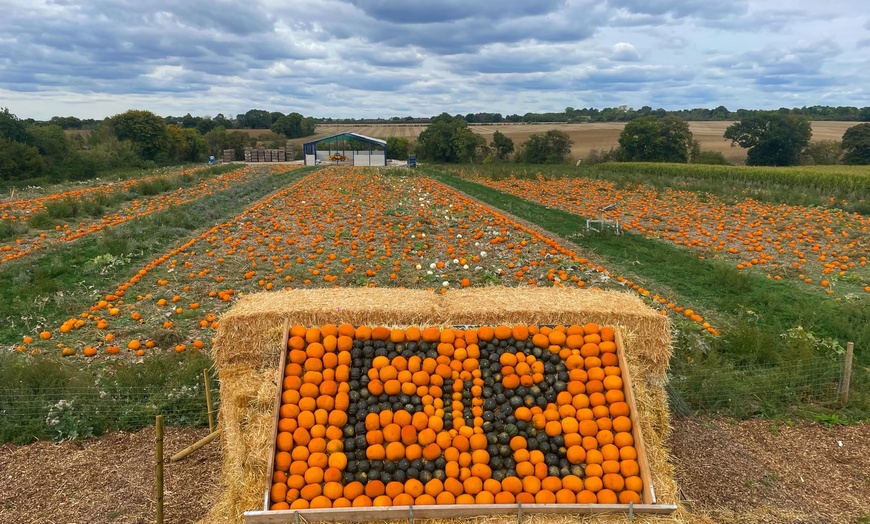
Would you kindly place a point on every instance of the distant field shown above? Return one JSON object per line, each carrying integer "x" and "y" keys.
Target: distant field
{"x": 600, "y": 136}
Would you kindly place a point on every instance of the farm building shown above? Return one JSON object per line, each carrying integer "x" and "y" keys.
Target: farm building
{"x": 347, "y": 148}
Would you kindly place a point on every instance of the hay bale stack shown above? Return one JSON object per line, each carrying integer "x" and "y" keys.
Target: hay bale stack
{"x": 249, "y": 344}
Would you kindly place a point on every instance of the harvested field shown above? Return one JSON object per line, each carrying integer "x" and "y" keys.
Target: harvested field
{"x": 731, "y": 472}
{"x": 598, "y": 135}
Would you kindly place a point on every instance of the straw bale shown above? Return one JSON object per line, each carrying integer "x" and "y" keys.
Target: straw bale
{"x": 248, "y": 348}
{"x": 247, "y": 400}
{"x": 499, "y": 305}
{"x": 240, "y": 337}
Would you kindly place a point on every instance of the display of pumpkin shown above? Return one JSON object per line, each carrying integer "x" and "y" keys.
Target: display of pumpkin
{"x": 493, "y": 415}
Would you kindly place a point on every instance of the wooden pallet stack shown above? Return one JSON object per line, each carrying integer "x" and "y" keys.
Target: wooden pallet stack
{"x": 263, "y": 155}
{"x": 228, "y": 155}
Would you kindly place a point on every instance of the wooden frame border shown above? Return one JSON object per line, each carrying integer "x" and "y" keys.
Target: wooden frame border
{"x": 648, "y": 496}
{"x": 276, "y": 415}
{"x": 445, "y": 512}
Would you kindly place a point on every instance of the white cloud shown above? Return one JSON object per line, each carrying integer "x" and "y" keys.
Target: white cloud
{"x": 93, "y": 58}
{"x": 624, "y": 52}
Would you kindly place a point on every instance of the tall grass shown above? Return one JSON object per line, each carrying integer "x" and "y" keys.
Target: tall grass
{"x": 50, "y": 398}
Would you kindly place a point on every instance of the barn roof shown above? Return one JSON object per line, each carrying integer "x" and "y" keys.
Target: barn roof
{"x": 378, "y": 141}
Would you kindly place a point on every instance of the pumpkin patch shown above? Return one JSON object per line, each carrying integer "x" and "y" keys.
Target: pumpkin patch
{"x": 373, "y": 416}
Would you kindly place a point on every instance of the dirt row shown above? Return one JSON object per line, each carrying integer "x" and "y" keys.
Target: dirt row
{"x": 751, "y": 471}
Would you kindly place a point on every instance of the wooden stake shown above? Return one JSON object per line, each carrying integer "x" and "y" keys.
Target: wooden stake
{"x": 159, "y": 469}
{"x": 195, "y": 446}
{"x": 847, "y": 373}
{"x": 208, "y": 401}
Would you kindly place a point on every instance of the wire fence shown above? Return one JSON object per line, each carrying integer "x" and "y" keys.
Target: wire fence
{"x": 61, "y": 413}
{"x": 755, "y": 390}
{"x": 79, "y": 412}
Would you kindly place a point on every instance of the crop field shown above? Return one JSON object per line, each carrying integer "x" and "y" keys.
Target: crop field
{"x": 40, "y": 222}
{"x": 824, "y": 247}
{"x": 334, "y": 228}
{"x": 601, "y": 136}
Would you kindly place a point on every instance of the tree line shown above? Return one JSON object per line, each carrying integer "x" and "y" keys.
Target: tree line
{"x": 772, "y": 138}
{"x": 625, "y": 114}
{"x": 33, "y": 150}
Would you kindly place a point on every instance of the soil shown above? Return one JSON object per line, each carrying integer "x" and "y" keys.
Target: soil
{"x": 750, "y": 471}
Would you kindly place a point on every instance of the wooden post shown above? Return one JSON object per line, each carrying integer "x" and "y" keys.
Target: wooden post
{"x": 208, "y": 401}
{"x": 847, "y": 373}
{"x": 159, "y": 469}
{"x": 195, "y": 446}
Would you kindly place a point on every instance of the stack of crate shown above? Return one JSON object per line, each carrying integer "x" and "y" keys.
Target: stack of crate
{"x": 228, "y": 155}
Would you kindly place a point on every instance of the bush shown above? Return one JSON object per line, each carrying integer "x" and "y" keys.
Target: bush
{"x": 552, "y": 147}
{"x": 9, "y": 229}
{"x": 152, "y": 187}
{"x": 710, "y": 158}
{"x": 821, "y": 153}
{"x": 599, "y": 157}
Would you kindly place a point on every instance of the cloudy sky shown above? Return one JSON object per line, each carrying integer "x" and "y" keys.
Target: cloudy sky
{"x": 370, "y": 58}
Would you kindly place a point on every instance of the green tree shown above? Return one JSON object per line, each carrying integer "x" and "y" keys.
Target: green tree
{"x": 145, "y": 130}
{"x": 856, "y": 145}
{"x": 398, "y": 147}
{"x": 448, "y": 139}
{"x": 18, "y": 161}
{"x": 271, "y": 140}
{"x": 53, "y": 144}
{"x": 822, "y": 153}
{"x": 773, "y": 138}
{"x": 12, "y": 128}
{"x": 66, "y": 122}
{"x": 255, "y": 119}
{"x": 502, "y": 145}
{"x": 552, "y": 147}
{"x": 653, "y": 139}
{"x": 197, "y": 147}
{"x": 294, "y": 125}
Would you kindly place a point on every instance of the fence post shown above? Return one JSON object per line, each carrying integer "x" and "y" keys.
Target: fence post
{"x": 208, "y": 401}
{"x": 159, "y": 469}
{"x": 847, "y": 373}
